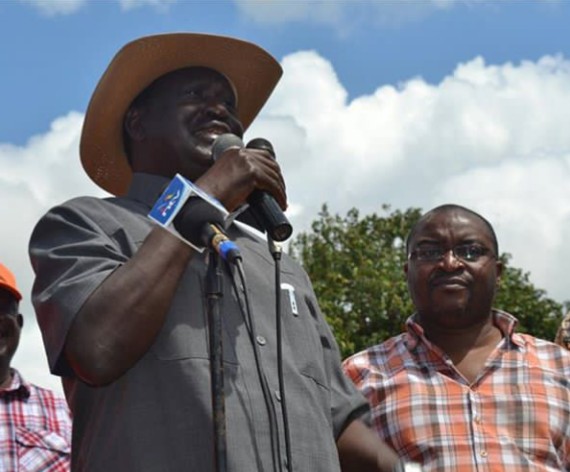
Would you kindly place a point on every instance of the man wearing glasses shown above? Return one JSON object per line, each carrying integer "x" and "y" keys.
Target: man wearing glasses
{"x": 460, "y": 389}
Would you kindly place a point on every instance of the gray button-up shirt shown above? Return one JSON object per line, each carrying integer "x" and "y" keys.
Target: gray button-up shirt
{"x": 157, "y": 416}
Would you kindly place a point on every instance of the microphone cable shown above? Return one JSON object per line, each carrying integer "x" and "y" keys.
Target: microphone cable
{"x": 276, "y": 252}
{"x": 245, "y": 309}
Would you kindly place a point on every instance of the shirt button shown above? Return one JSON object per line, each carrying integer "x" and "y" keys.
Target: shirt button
{"x": 478, "y": 419}
{"x": 483, "y": 453}
{"x": 278, "y": 395}
{"x": 261, "y": 340}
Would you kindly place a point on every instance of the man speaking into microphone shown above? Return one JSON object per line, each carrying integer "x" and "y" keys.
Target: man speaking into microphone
{"x": 120, "y": 300}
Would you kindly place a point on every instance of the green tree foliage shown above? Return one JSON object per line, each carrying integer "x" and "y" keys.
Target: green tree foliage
{"x": 356, "y": 266}
{"x": 537, "y": 314}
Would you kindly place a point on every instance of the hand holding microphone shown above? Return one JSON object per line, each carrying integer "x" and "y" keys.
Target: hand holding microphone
{"x": 263, "y": 206}
{"x": 198, "y": 220}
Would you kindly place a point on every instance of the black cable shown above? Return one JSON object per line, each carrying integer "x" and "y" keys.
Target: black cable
{"x": 249, "y": 321}
{"x": 276, "y": 252}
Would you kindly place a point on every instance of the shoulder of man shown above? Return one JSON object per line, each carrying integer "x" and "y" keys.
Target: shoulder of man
{"x": 385, "y": 358}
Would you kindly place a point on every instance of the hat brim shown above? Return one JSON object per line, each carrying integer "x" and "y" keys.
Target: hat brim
{"x": 8, "y": 288}
{"x": 252, "y": 71}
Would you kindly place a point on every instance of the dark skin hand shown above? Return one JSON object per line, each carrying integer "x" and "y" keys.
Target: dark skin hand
{"x": 361, "y": 450}
{"x": 240, "y": 171}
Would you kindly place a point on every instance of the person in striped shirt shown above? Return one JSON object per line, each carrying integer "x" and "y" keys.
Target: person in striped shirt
{"x": 460, "y": 389}
{"x": 35, "y": 423}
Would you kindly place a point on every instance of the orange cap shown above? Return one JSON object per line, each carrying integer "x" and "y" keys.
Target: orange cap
{"x": 8, "y": 282}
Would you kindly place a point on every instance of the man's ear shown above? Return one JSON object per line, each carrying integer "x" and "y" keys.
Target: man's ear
{"x": 133, "y": 124}
{"x": 499, "y": 266}
{"x": 20, "y": 319}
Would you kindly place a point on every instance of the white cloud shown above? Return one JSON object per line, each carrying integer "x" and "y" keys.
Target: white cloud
{"x": 43, "y": 173}
{"x": 344, "y": 13}
{"x": 68, "y": 7}
{"x": 282, "y": 12}
{"x": 491, "y": 137}
{"x": 56, "y": 7}
{"x": 161, "y": 5}
{"x": 529, "y": 206}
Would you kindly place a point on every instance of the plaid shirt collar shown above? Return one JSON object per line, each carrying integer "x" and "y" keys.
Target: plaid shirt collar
{"x": 503, "y": 320}
{"x": 18, "y": 385}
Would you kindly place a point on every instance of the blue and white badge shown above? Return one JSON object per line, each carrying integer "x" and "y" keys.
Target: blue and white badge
{"x": 171, "y": 201}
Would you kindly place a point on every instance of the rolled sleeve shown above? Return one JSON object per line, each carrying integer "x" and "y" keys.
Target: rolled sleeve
{"x": 73, "y": 249}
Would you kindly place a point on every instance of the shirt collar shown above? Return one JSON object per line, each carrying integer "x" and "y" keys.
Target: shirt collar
{"x": 503, "y": 320}
{"x": 507, "y": 323}
{"x": 146, "y": 188}
{"x": 18, "y": 385}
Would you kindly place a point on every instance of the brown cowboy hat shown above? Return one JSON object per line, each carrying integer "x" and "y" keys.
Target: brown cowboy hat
{"x": 252, "y": 71}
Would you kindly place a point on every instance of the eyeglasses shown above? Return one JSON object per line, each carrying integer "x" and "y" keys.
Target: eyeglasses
{"x": 464, "y": 252}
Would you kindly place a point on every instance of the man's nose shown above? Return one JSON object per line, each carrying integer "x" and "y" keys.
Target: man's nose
{"x": 216, "y": 109}
{"x": 450, "y": 261}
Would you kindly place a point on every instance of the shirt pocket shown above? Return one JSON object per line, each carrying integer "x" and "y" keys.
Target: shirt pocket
{"x": 42, "y": 450}
{"x": 301, "y": 327}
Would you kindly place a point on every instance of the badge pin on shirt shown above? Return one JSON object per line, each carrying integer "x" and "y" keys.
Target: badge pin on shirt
{"x": 292, "y": 300}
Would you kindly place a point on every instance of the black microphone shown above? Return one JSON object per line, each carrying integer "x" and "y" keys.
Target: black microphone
{"x": 199, "y": 222}
{"x": 264, "y": 208}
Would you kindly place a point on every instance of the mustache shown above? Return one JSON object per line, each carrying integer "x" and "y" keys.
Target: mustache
{"x": 449, "y": 279}
{"x": 215, "y": 125}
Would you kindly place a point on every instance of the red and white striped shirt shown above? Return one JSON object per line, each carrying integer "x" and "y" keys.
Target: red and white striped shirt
{"x": 514, "y": 417}
{"x": 35, "y": 429}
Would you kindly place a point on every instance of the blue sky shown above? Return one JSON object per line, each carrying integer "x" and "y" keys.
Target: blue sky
{"x": 55, "y": 60}
{"x": 406, "y": 103}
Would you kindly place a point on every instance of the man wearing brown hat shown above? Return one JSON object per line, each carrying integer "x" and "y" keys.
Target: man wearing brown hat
{"x": 35, "y": 426}
{"x": 121, "y": 303}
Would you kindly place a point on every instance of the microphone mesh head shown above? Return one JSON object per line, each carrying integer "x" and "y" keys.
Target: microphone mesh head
{"x": 261, "y": 143}
{"x": 223, "y": 143}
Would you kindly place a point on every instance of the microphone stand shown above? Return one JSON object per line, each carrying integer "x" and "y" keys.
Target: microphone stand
{"x": 276, "y": 251}
{"x": 214, "y": 293}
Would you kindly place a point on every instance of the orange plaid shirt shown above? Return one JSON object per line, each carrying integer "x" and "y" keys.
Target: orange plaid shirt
{"x": 514, "y": 417}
